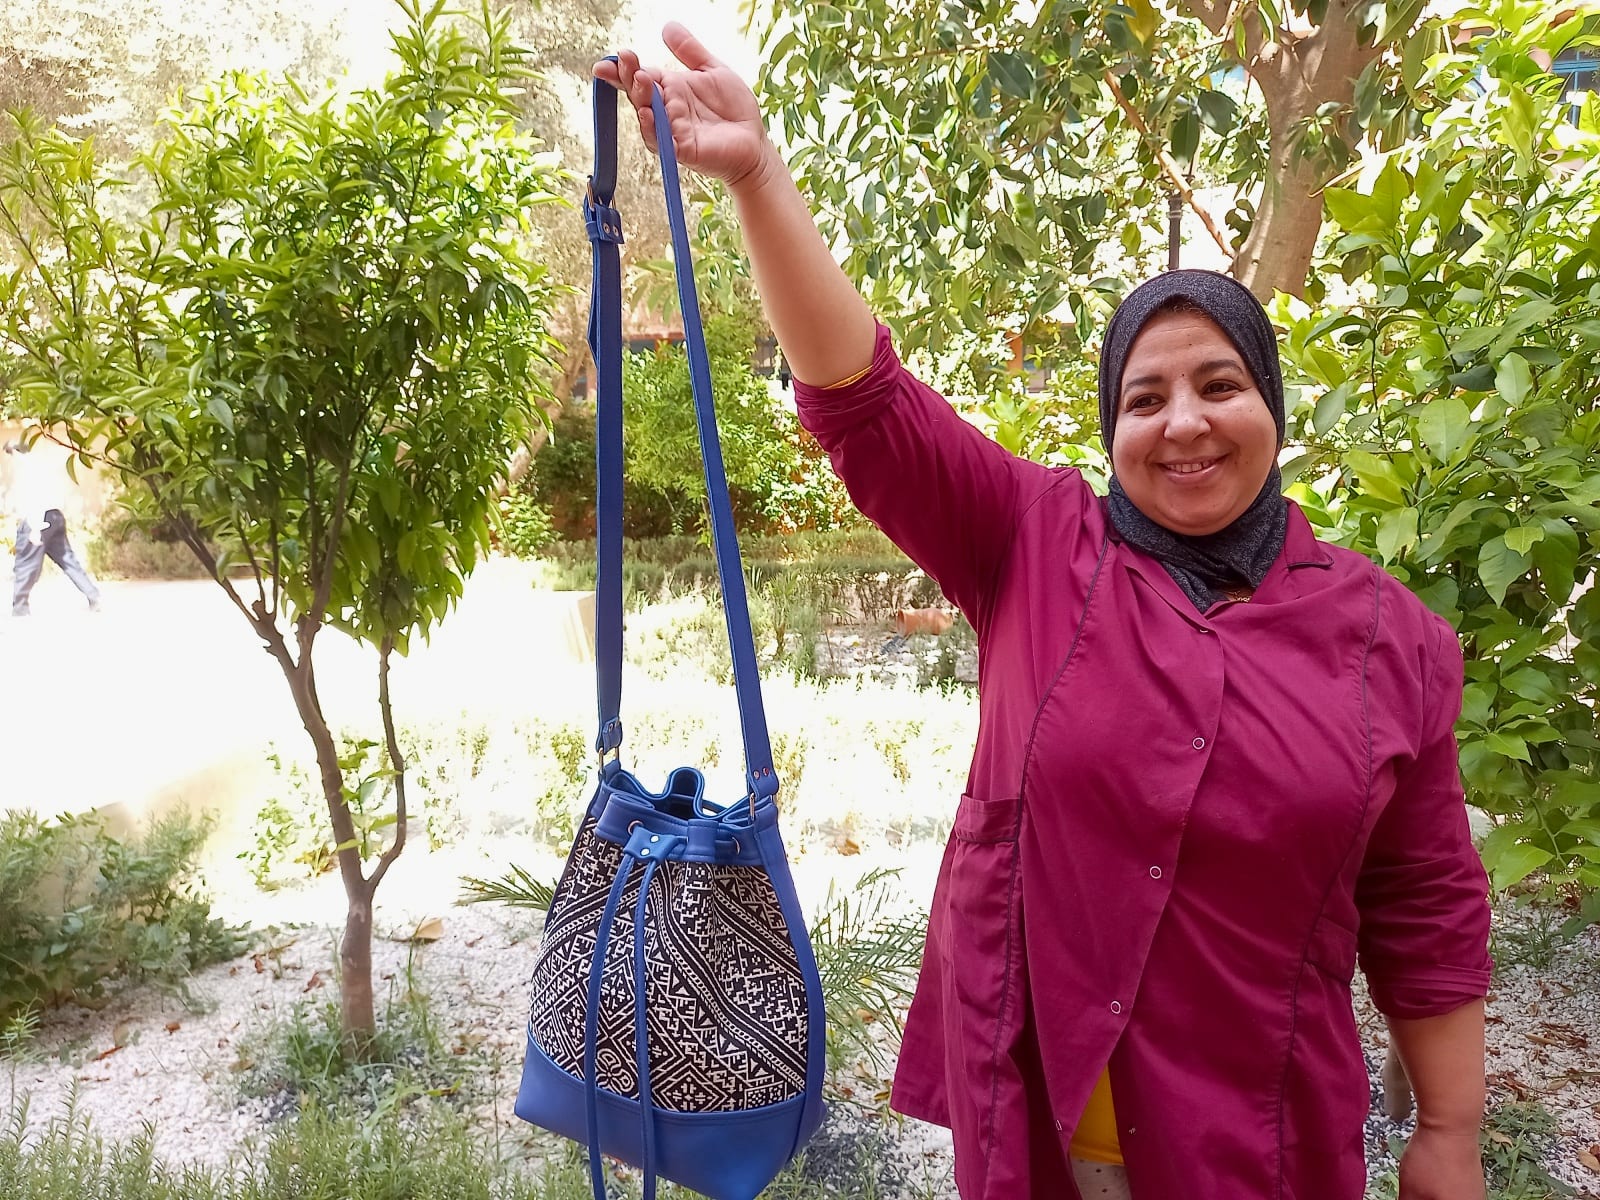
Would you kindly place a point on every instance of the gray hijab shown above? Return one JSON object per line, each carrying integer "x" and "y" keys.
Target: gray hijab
{"x": 1245, "y": 550}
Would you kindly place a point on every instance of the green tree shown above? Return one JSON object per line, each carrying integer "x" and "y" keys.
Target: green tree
{"x": 321, "y": 346}
{"x": 1451, "y": 420}
{"x": 993, "y": 164}
{"x": 662, "y": 448}
{"x": 110, "y": 70}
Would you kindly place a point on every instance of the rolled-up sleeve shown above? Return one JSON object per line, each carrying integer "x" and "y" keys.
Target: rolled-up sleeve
{"x": 943, "y": 492}
{"x": 1422, "y": 891}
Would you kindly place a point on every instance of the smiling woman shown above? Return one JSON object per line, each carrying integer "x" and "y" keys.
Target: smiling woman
{"x": 1191, "y": 410}
{"x": 1197, "y": 441}
{"x": 1186, "y": 817}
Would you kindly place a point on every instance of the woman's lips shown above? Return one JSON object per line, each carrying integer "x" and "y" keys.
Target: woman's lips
{"x": 1194, "y": 470}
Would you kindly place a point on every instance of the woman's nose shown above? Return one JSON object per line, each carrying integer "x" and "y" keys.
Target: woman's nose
{"x": 1186, "y": 415}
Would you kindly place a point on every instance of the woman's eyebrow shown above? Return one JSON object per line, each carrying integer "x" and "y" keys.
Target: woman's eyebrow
{"x": 1211, "y": 364}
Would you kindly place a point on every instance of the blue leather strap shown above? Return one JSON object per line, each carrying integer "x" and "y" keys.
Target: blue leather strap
{"x": 604, "y": 225}
{"x": 641, "y": 1036}
{"x": 605, "y": 341}
{"x": 591, "y": 1028}
{"x": 651, "y": 850}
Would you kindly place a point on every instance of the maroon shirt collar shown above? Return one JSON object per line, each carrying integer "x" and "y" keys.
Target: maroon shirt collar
{"x": 1301, "y": 548}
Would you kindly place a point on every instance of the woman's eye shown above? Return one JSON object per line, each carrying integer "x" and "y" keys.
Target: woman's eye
{"x": 1142, "y": 402}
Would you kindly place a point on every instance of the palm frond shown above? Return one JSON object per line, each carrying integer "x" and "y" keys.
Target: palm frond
{"x": 517, "y": 889}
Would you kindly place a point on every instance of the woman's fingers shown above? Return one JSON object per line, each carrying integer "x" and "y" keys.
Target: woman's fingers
{"x": 687, "y": 48}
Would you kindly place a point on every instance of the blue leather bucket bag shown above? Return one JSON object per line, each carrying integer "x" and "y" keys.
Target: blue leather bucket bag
{"x": 677, "y": 1020}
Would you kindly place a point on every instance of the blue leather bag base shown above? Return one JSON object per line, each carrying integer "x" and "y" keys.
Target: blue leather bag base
{"x": 677, "y": 1020}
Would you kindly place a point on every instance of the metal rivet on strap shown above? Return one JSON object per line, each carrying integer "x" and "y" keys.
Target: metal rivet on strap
{"x": 644, "y": 852}
{"x": 653, "y": 838}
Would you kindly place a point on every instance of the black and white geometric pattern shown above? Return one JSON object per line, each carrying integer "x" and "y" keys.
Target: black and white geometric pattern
{"x": 725, "y": 1000}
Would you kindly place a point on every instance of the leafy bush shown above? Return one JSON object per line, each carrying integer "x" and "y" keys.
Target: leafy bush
{"x": 844, "y": 575}
{"x": 85, "y": 910}
{"x": 779, "y": 480}
{"x": 1455, "y": 429}
{"x": 127, "y": 544}
{"x": 524, "y": 528}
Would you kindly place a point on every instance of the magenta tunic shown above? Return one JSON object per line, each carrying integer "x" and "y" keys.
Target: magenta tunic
{"x": 1179, "y": 830}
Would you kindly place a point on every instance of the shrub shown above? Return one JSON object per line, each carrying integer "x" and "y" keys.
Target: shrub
{"x": 523, "y": 527}
{"x": 779, "y": 479}
{"x": 85, "y": 910}
{"x": 843, "y": 574}
{"x": 1455, "y": 433}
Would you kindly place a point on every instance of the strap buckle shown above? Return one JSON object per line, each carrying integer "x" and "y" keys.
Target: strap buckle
{"x": 609, "y": 741}
{"x": 603, "y": 222}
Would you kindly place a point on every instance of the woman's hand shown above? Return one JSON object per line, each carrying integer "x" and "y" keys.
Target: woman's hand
{"x": 1441, "y": 1164}
{"x": 716, "y": 123}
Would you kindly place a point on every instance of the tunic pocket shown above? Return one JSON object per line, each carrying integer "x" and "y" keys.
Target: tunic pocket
{"x": 1332, "y": 949}
{"x": 975, "y": 926}
{"x": 984, "y": 821}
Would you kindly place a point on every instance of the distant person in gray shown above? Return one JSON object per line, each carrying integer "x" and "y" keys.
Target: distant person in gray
{"x": 41, "y": 532}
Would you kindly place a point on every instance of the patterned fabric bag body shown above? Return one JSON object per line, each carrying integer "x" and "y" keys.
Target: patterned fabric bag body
{"x": 677, "y": 1016}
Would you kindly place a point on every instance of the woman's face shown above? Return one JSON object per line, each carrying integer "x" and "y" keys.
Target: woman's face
{"x": 1194, "y": 439}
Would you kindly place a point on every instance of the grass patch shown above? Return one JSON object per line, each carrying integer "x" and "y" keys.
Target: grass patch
{"x": 303, "y": 1062}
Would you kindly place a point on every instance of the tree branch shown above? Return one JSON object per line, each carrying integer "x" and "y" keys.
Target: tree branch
{"x": 1169, "y": 167}
{"x": 397, "y": 762}
{"x": 1215, "y": 15}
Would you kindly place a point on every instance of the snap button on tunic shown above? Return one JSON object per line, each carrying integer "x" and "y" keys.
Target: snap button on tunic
{"x": 1321, "y": 818}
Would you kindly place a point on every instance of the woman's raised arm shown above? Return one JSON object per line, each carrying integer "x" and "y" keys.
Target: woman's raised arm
{"x": 820, "y": 320}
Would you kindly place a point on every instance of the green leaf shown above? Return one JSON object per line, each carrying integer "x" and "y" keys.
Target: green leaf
{"x": 1186, "y": 138}
{"x": 1519, "y": 123}
{"x": 1349, "y": 209}
{"x": 1507, "y": 744}
{"x": 1217, "y": 110}
{"x": 1556, "y": 557}
{"x": 1515, "y": 863}
{"x": 1389, "y": 193}
{"x": 219, "y": 408}
{"x": 1522, "y": 538}
{"x": 1531, "y": 684}
{"x": 1144, "y": 21}
{"x": 1499, "y": 566}
{"x": 1377, "y": 476}
{"x": 1397, "y": 533}
{"x": 1445, "y": 426}
{"x": 1513, "y": 379}
{"x": 1012, "y": 74}
{"x": 1330, "y": 407}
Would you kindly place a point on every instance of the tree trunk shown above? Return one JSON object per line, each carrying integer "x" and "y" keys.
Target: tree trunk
{"x": 1296, "y": 75}
{"x": 1276, "y": 256}
{"x": 359, "y": 1018}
